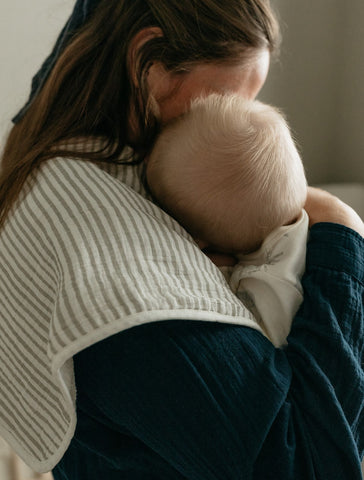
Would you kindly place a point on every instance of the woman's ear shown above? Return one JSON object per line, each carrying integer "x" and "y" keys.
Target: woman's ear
{"x": 137, "y": 42}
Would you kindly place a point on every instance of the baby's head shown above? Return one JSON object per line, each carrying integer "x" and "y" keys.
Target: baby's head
{"x": 228, "y": 171}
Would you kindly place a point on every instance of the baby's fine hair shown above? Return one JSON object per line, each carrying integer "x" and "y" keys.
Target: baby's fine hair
{"x": 229, "y": 171}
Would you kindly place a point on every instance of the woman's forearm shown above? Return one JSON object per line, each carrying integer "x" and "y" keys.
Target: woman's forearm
{"x": 325, "y": 353}
{"x": 218, "y": 401}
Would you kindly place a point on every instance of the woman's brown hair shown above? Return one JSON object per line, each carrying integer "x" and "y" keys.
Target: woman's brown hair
{"x": 90, "y": 92}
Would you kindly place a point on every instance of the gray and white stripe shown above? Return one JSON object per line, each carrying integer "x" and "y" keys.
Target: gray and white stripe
{"x": 86, "y": 254}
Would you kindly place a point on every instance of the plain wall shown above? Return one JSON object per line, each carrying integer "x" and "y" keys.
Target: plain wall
{"x": 318, "y": 81}
{"x": 28, "y": 30}
{"x": 350, "y": 132}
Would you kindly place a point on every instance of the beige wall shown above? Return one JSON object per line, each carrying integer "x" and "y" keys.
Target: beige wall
{"x": 350, "y": 131}
{"x": 28, "y": 29}
{"x": 319, "y": 83}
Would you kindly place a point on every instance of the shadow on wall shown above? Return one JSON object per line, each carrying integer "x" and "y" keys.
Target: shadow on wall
{"x": 318, "y": 82}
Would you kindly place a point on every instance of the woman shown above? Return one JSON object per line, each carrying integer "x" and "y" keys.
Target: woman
{"x": 105, "y": 295}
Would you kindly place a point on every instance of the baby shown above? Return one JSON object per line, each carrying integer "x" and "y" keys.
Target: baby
{"x": 229, "y": 172}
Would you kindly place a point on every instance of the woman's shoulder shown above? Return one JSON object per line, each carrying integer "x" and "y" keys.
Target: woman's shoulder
{"x": 76, "y": 205}
{"x": 69, "y": 204}
{"x": 66, "y": 190}
{"x": 78, "y": 181}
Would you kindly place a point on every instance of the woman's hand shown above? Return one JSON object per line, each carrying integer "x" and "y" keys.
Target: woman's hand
{"x": 321, "y": 206}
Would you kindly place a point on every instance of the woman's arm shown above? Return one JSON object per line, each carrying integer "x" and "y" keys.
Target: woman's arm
{"x": 218, "y": 401}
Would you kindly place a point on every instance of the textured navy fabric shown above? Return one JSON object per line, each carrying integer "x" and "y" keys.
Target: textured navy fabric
{"x": 200, "y": 401}
{"x": 81, "y": 12}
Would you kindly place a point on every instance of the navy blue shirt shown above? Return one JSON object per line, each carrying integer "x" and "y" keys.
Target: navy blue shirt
{"x": 202, "y": 401}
